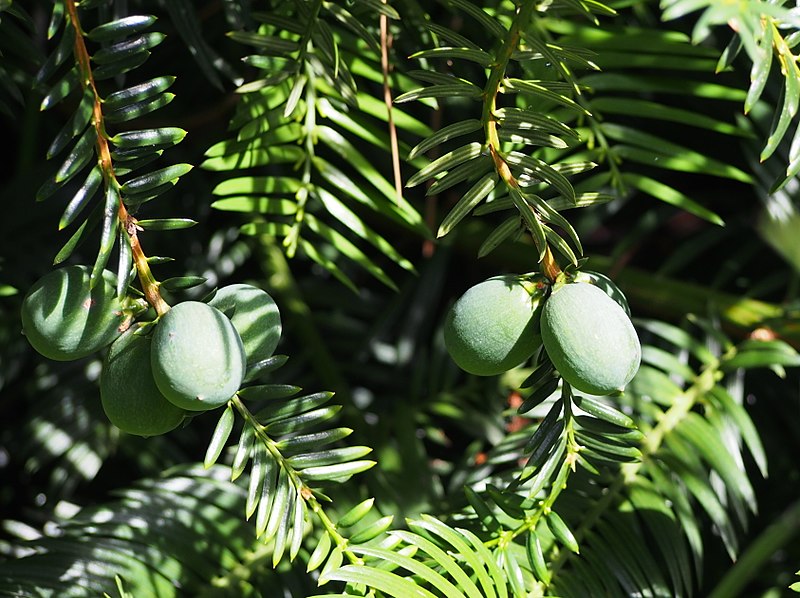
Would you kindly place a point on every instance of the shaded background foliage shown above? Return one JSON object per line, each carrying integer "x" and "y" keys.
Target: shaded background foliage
{"x": 433, "y": 429}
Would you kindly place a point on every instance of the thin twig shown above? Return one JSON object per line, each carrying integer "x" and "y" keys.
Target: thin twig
{"x": 387, "y": 98}
{"x": 432, "y": 201}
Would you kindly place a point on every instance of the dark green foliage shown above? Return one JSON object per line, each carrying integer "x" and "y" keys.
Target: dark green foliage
{"x": 355, "y": 160}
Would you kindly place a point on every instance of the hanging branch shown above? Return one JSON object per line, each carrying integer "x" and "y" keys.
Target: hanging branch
{"x": 126, "y": 222}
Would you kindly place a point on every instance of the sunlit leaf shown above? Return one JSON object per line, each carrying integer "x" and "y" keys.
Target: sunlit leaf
{"x": 444, "y": 134}
{"x": 137, "y": 93}
{"x": 671, "y": 196}
{"x": 446, "y": 162}
{"x": 220, "y": 437}
{"x": 82, "y": 197}
{"x": 166, "y": 223}
{"x": 121, "y": 28}
{"x": 471, "y": 198}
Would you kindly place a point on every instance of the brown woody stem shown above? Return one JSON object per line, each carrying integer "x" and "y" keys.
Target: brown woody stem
{"x": 548, "y": 266}
{"x": 150, "y": 286}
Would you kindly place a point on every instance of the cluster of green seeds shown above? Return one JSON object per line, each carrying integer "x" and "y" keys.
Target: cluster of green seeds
{"x": 155, "y": 372}
{"x": 580, "y": 321}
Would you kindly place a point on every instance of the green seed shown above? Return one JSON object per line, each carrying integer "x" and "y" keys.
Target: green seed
{"x": 590, "y": 339}
{"x": 494, "y": 326}
{"x": 198, "y": 359}
{"x": 64, "y": 319}
{"x": 131, "y": 400}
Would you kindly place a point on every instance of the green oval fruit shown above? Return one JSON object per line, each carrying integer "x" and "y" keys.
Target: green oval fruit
{"x": 590, "y": 339}
{"x": 198, "y": 359}
{"x": 255, "y": 316}
{"x": 130, "y": 397}
{"x": 606, "y": 285}
{"x": 64, "y": 319}
{"x": 493, "y": 327}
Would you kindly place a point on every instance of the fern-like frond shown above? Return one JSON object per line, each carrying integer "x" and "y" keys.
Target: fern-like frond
{"x": 499, "y": 153}
{"x": 109, "y": 159}
{"x": 607, "y": 496}
{"x": 66, "y": 438}
{"x": 289, "y": 457}
{"x": 306, "y": 124}
{"x": 696, "y": 438}
{"x": 420, "y": 562}
{"x": 632, "y": 102}
{"x": 159, "y": 536}
{"x": 768, "y": 34}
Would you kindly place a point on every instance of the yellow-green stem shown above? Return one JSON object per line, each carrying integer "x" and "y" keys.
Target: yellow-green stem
{"x": 558, "y": 486}
{"x": 303, "y": 491}
{"x": 549, "y": 266}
